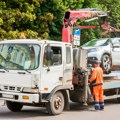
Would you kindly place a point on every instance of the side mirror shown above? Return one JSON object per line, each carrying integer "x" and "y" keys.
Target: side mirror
{"x": 116, "y": 45}
{"x": 49, "y": 54}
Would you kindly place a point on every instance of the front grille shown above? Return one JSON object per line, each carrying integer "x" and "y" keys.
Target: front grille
{"x": 6, "y": 87}
{"x": 11, "y": 88}
{"x": 92, "y": 58}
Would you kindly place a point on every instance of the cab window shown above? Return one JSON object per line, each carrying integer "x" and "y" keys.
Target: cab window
{"x": 52, "y": 56}
{"x": 68, "y": 55}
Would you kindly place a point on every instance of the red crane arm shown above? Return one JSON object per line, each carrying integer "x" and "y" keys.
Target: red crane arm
{"x": 86, "y": 27}
{"x": 71, "y": 17}
{"x": 87, "y": 14}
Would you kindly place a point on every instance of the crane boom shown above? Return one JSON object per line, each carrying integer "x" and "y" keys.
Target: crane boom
{"x": 71, "y": 16}
{"x": 87, "y": 14}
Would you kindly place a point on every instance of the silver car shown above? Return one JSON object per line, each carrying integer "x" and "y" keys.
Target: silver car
{"x": 107, "y": 50}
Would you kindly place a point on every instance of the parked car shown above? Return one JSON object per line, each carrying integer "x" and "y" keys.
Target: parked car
{"x": 107, "y": 50}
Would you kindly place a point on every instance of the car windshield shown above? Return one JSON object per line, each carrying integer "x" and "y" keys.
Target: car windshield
{"x": 101, "y": 42}
{"x": 19, "y": 56}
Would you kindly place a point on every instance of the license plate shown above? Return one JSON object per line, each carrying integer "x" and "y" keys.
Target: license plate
{"x": 7, "y": 96}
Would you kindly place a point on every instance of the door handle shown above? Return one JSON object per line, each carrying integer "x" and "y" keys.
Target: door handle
{"x": 60, "y": 78}
{"x": 21, "y": 73}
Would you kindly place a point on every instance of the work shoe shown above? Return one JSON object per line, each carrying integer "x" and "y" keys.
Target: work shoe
{"x": 101, "y": 107}
{"x": 97, "y": 107}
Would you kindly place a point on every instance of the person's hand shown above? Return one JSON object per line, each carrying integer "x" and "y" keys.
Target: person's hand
{"x": 88, "y": 81}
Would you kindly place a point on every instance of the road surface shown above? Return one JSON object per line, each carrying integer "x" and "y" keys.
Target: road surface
{"x": 76, "y": 112}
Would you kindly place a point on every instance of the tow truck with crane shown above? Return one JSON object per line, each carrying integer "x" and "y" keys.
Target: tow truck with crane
{"x": 49, "y": 74}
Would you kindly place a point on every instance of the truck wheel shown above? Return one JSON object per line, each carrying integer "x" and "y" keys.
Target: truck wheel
{"x": 14, "y": 106}
{"x": 106, "y": 63}
{"x": 56, "y": 105}
{"x": 118, "y": 100}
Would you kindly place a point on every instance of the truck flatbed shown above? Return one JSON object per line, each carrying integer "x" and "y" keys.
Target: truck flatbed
{"x": 112, "y": 80}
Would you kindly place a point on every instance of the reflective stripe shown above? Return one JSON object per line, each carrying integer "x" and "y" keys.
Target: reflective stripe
{"x": 101, "y": 103}
{"x": 95, "y": 84}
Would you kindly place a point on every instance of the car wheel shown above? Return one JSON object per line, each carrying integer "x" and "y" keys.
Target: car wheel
{"x": 106, "y": 63}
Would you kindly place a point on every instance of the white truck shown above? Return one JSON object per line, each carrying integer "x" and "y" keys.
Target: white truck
{"x": 34, "y": 72}
{"x": 42, "y": 73}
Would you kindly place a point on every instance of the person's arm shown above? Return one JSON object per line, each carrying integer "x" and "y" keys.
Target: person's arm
{"x": 93, "y": 76}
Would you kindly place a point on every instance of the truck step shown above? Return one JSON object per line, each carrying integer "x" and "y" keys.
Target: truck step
{"x": 111, "y": 97}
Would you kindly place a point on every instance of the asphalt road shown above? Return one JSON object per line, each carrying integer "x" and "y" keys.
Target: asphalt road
{"x": 76, "y": 112}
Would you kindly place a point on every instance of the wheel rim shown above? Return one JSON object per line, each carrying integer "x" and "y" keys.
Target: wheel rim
{"x": 58, "y": 103}
{"x": 106, "y": 62}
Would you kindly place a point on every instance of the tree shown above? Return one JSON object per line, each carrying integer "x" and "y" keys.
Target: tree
{"x": 88, "y": 34}
{"x": 44, "y": 18}
{"x": 57, "y": 8}
{"x": 114, "y": 12}
{"x": 18, "y": 16}
{"x": 36, "y": 18}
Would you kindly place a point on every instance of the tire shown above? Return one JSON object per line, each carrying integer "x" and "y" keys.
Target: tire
{"x": 56, "y": 105}
{"x": 14, "y": 106}
{"x": 118, "y": 100}
{"x": 106, "y": 63}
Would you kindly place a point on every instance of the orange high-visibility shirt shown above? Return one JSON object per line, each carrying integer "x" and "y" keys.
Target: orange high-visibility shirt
{"x": 97, "y": 76}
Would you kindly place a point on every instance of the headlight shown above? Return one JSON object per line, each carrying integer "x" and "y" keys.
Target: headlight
{"x": 30, "y": 90}
{"x": 93, "y": 50}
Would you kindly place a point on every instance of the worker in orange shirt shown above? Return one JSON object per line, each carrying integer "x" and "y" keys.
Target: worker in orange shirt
{"x": 96, "y": 81}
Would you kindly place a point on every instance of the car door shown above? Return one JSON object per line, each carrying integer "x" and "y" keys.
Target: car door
{"x": 116, "y": 51}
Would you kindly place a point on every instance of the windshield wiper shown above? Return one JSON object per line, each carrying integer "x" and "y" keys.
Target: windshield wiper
{"x": 4, "y": 68}
{"x": 26, "y": 70}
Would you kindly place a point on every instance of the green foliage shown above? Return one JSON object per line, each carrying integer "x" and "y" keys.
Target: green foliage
{"x": 56, "y": 10}
{"x": 114, "y": 12}
{"x": 44, "y": 18}
{"x": 30, "y": 34}
{"x": 73, "y": 4}
{"x": 18, "y": 16}
{"x": 3, "y": 34}
{"x": 1, "y": 21}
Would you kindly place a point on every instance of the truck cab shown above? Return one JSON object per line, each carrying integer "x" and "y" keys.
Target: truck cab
{"x": 34, "y": 72}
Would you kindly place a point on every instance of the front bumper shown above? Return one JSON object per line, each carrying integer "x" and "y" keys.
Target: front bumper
{"x": 93, "y": 56}
{"x": 20, "y": 97}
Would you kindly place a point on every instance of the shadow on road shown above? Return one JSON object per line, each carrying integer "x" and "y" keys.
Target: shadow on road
{"x": 26, "y": 112}
{"x": 31, "y": 112}
{"x": 90, "y": 107}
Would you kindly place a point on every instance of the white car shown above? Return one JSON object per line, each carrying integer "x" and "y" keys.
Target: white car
{"x": 107, "y": 50}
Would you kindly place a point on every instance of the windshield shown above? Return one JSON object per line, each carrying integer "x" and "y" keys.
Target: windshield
{"x": 19, "y": 56}
{"x": 97, "y": 43}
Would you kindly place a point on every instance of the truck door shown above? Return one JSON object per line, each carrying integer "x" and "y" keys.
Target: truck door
{"x": 52, "y": 68}
{"x": 68, "y": 65}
